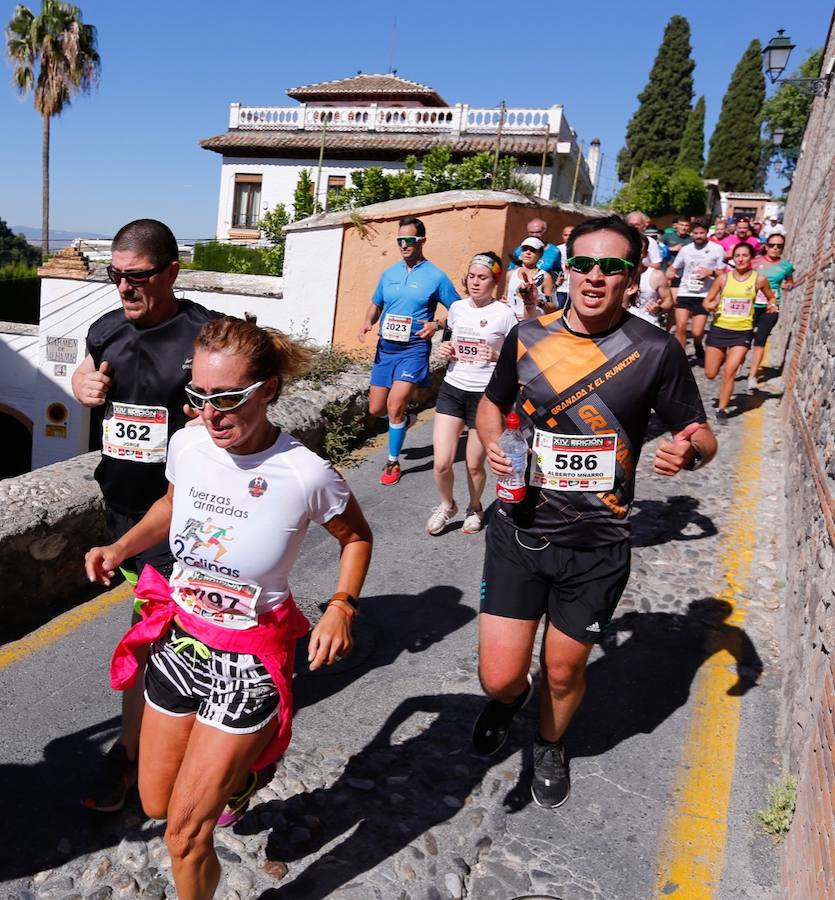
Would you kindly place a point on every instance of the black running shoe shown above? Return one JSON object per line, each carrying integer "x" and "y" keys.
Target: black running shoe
{"x": 722, "y": 417}
{"x": 114, "y": 779}
{"x": 699, "y": 350}
{"x": 492, "y": 727}
{"x": 551, "y": 785}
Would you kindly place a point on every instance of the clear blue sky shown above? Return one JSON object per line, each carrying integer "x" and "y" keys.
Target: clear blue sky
{"x": 170, "y": 70}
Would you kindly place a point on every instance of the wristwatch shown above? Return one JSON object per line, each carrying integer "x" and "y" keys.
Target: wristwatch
{"x": 697, "y": 462}
{"x": 345, "y": 597}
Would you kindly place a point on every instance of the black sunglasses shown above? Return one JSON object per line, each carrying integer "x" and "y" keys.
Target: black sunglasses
{"x": 609, "y": 265}
{"x": 778, "y": 244}
{"x": 135, "y": 278}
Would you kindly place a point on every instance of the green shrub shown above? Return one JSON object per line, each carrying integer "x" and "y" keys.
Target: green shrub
{"x": 342, "y": 434}
{"x": 777, "y": 816}
{"x": 216, "y": 257}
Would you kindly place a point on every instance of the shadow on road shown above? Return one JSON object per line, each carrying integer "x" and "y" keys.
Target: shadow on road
{"x": 43, "y": 824}
{"x": 677, "y": 518}
{"x": 397, "y": 789}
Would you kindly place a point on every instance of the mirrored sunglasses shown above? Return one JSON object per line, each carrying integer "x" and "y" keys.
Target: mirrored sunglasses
{"x": 609, "y": 265}
{"x": 222, "y": 401}
{"x": 133, "y": 277}
{"x": 408, "y": 240}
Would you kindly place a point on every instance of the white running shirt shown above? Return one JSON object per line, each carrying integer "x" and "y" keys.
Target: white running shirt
{"x": 245, "y": 516}
{"x": 471, "y": 326}
{"x": 689, "y": 258}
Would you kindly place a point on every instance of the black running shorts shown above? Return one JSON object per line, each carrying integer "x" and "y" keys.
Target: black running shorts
{"x": 526, "y": 576}
{"x": 460, "y": 404}
{"x": 764, "y": 323}
{"x": 725, "y": 338}
{"x": 693, "y": 305}
{"x": 229, "y": 691}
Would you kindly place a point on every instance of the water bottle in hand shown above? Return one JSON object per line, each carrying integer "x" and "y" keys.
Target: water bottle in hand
{"x": 511, "y": 488}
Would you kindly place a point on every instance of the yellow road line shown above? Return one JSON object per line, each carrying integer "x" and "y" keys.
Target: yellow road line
{"x": 64, "y": 625}
{"x": 692, "y": 848}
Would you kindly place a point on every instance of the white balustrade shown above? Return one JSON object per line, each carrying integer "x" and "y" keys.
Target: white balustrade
{"x": 457, "y": 119}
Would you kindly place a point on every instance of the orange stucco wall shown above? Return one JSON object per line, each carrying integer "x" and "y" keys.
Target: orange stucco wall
{"x": 453, "y": 235}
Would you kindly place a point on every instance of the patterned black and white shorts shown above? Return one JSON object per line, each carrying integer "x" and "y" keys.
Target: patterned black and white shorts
{"x": 230, "y": 691}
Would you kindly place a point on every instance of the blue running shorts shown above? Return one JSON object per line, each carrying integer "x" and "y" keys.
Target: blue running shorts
{"x": 406, "y": 363}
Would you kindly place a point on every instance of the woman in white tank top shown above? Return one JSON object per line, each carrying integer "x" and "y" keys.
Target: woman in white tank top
{"x": 653, "y": 297}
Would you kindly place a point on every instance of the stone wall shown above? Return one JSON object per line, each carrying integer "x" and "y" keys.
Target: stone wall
{"x": 53, "y": 515}
{"x": 805, "y": 341}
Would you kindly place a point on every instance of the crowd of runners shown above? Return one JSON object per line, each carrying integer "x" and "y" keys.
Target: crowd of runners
{"x": 208, "y": 501}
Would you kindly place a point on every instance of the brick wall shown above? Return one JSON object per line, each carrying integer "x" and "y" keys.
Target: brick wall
{"x": 805, "y": 341}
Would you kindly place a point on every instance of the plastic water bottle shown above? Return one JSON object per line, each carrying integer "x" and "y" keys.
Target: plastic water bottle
{"x": 511, "y": 488}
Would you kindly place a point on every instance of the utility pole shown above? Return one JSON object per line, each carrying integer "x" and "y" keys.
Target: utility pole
{"x": 577, "y": 170}
{"x": 498, "y": 145}
{"x": 544, "y": 158}
{"x": 321, "y": 158}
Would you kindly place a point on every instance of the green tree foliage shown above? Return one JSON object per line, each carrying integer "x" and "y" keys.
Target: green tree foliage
{"x": 735, "y": 148}
{"x": 272, "y": 228}
{"x": 688, "y": 195}
{"x": 303, "y": 200}
{"x": 691, "y": 153}
{"x": 55, "y": 56}
{"x": 657, "y": 192}
{"x": 654, "y": 131}
{"x": 15, "y": 250}
{"x": 788, "y": 109}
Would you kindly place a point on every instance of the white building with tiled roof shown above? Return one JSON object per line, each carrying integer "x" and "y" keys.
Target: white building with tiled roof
{"x": 378, "y": 120}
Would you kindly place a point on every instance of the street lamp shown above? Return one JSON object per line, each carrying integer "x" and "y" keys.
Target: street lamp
{"x": 777, "y": 136}
{"x": 775, "y": 59}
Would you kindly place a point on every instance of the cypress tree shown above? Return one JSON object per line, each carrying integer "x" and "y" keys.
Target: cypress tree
{"x": 735, "y": 146}
{"x": 691, "y": 154}
{"x": 654, "y": 131}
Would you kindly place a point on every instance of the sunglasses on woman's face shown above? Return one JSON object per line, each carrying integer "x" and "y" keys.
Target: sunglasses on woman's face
{"x": 777, "y": 244}
{"x": 609, "y": 265}
{"x": 134, "y": 278}
{"x": 222, "y": 401}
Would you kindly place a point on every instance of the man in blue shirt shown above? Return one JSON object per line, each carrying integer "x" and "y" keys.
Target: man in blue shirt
{"x": 551, "y": 260}
{"x": 404, "y": 302}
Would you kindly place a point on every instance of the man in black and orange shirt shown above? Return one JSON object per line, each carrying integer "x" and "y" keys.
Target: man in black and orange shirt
{"x": 583, "y": 382}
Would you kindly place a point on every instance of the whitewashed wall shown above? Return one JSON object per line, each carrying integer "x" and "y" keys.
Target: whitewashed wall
{"x": 279, "y": 178}
{"x": 68, "y": 308}
{"x": 311, "y": 278}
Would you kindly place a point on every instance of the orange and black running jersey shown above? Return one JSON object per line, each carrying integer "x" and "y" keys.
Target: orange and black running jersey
{"x": 577, "y": 384}
{"x": 148, "y": 366}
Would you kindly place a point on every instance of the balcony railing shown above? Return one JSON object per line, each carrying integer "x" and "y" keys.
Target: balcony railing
{"x": 461, "y": 119}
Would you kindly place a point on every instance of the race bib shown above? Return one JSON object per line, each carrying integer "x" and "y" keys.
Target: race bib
{"x": 736, "y": 308}
{"x": 573, "y": 462}
{"x": 695, "y": 284}
{"x": 397, "y": 328}
{"x": 136, "y": 433}
{"x": 227, "y": 602}
{"x": 468, "y": 347}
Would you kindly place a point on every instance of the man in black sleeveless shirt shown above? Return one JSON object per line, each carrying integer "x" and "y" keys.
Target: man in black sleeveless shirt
{"x": 133, "y": 378}
{"x": 583, "y": 382}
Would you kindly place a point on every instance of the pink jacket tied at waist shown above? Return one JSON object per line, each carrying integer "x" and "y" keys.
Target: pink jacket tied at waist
{"x": 273, "y": 641}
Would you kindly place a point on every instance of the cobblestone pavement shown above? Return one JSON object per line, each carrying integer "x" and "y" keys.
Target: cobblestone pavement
{"x": 380, "y": 796}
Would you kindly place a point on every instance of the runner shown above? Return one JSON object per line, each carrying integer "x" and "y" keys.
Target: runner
{"x": 551, "y": 260}
{"x": 653, "y": 299}
{"x": 138, "y": 362}
{"x": 698, "y": 263}
{"x": 730, "y": 334}
{"x": 479, "y": 326}
{"x": 561, "y": 283}
{"x": 218, "y": 679}
{"x": 780, "y": 273}
{"x": 583, "y": 384}
{"x": 406, "y": 299}
{"x": 528, "y": 287}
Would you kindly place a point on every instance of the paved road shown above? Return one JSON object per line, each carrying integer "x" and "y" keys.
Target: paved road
{"x": 380, "y": 796}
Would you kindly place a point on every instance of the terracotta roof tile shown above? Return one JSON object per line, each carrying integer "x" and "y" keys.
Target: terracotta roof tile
{"x": 368, "y": 86}
{"x": 363, "y": 145}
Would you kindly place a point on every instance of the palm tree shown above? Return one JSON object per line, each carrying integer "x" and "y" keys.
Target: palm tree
{"x": 54, "y": 55}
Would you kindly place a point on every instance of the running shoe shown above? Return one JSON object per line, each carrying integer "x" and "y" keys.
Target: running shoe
{"x": 699, "y": 350}
{"x": 753, "y": 385}
{"x": 115, "y": 777}
{"x": 440, "y": 518}
{"x": 492, "y": 727}
{"x": 722, "y": 417}
{"x": 391, "y": 472}
{"x": 473, "y": 521}
{"x": 551, "y": 785}
{"x": 238, "y": 804}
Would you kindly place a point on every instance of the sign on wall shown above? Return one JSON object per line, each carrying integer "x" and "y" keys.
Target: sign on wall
{"x": 61, "y": 349}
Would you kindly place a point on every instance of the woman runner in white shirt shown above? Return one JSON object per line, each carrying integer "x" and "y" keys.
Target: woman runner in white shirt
{"x": 222, "y": 632}
{"x": 479, "y": 326}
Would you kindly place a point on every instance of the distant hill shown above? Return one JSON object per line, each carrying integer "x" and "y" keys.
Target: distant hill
{"x": 33, "y": 235}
